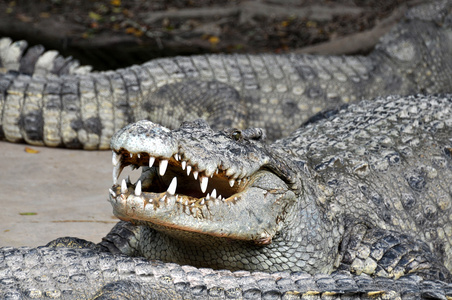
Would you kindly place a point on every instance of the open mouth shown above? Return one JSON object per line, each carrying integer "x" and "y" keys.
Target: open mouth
{"x": 165, "y": 180}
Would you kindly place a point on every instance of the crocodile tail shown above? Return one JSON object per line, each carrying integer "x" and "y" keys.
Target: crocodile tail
{"x": 18, "y": 57}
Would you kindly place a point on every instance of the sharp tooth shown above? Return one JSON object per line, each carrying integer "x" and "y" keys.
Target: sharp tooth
{"x": 115, "y": 158}
{"x": 138, "y": 188}
{"x": 112, "y": 193}
{"x": 235, "y": 198}
{"x": 202, "y": 202}
{"x": 123, "y": 187}
{"x": 239, "y": 181}
{"x": 188, "y": 170}
{"x": 208, "y": 196}
{"x": 151, "y": 161}
{"x": 184, "y": 164}
{"x": 220, "y": 197}
{"x": 138, "y": 155}
{"x": 204, "y": 182}
{"x": 163, "y": 198}
{"x": 231, "y": 182}
{"x": 176, "y": 157}
{"x": 116, "y": 172}
{"x": 131, "y": 155}
{"x": 214, "y": 193}
{"x": 195, "y": 174}
{"x": 172, "y": 187}
{"x": 162, "y": 167}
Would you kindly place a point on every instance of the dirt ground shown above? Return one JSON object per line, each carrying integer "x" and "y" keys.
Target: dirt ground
{"x": 108, "y": 34}
{"x": 53, "y": 193}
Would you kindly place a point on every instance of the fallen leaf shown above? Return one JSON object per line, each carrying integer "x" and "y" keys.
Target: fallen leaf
{"x": 214, "y": 40}
{"x": 94, "y": 16}
{"x": 31, "y": 150}
{"x": 24, "y": 18}
{"x": 311, "y": 24}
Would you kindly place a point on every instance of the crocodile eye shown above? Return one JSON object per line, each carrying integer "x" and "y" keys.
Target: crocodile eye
{"x": 236, "y": 135}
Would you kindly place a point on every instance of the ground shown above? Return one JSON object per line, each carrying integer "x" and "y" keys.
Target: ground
{"x": 59, "y": 192}
{"x": 114, "y": 33}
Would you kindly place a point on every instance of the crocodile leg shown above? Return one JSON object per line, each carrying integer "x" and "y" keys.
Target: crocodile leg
{"x": 387, "y": 253}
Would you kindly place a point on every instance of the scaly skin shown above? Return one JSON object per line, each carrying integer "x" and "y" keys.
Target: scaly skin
{"x": 79, "y": 109}
{"x": 321, "y": 187}
{"x": 312, "y": 202}
{"x": 308, "y": 202}
{"x": 63, "y": 273}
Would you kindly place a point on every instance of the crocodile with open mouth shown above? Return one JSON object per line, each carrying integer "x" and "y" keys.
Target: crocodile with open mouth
{"x": 227, "y": 200}
{"x": 362, "y": 190}
{"x": 308, "y": 210}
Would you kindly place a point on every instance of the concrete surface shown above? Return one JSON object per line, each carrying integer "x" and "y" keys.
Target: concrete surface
{"x": 53, "y": 193}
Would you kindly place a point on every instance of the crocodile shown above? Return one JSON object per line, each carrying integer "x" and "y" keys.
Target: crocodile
{"x": 310, "y": 175}
{"x": 69, "y": 106}
{"x": 303, "y": 217}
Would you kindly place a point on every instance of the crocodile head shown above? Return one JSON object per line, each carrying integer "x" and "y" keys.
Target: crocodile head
{"x": 225, "y": 184}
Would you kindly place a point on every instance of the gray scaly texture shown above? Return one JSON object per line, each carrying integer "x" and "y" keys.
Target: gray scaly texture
{"x": 82, "y": 109}
{"x": 366, "y": 190}
{"x": 53, "y": 273}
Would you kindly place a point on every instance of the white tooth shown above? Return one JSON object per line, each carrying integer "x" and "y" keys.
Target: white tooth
{"x": 195, "y": 174}
{"x": 239, "y": 181}
{"x": 192, "y": 204}
{"x": 138, "y": 188}
{"x": 112, "y": 193}
{"x": 204, "y": 182}
{"x": 184, "y": 164}
{"x": 162, "y": 167}
{"x": 151, "y": 161}
{"x": 186, "y": 202}
{"x": 163, "y": 198}
{"x": 172, "y": 187}
{"x": 216, "y": 171}
{"x": 123, "y": 187}
{"x": 138, "y": 155}
{"x": 131, "y": 155}
{"x": 176, "y": 157}
{"x": 116, "y": 172}
{"x": 229, "y": 172}
{"x": 231, "y": 182}
{"x": 235, "y": 198}
{"x": 208, "y": 196}
{"x": 214, "y": 193}
{"x": 188, "y": 170}
{"x": 202, "y": 202}
{"x": 115, "y": 158}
